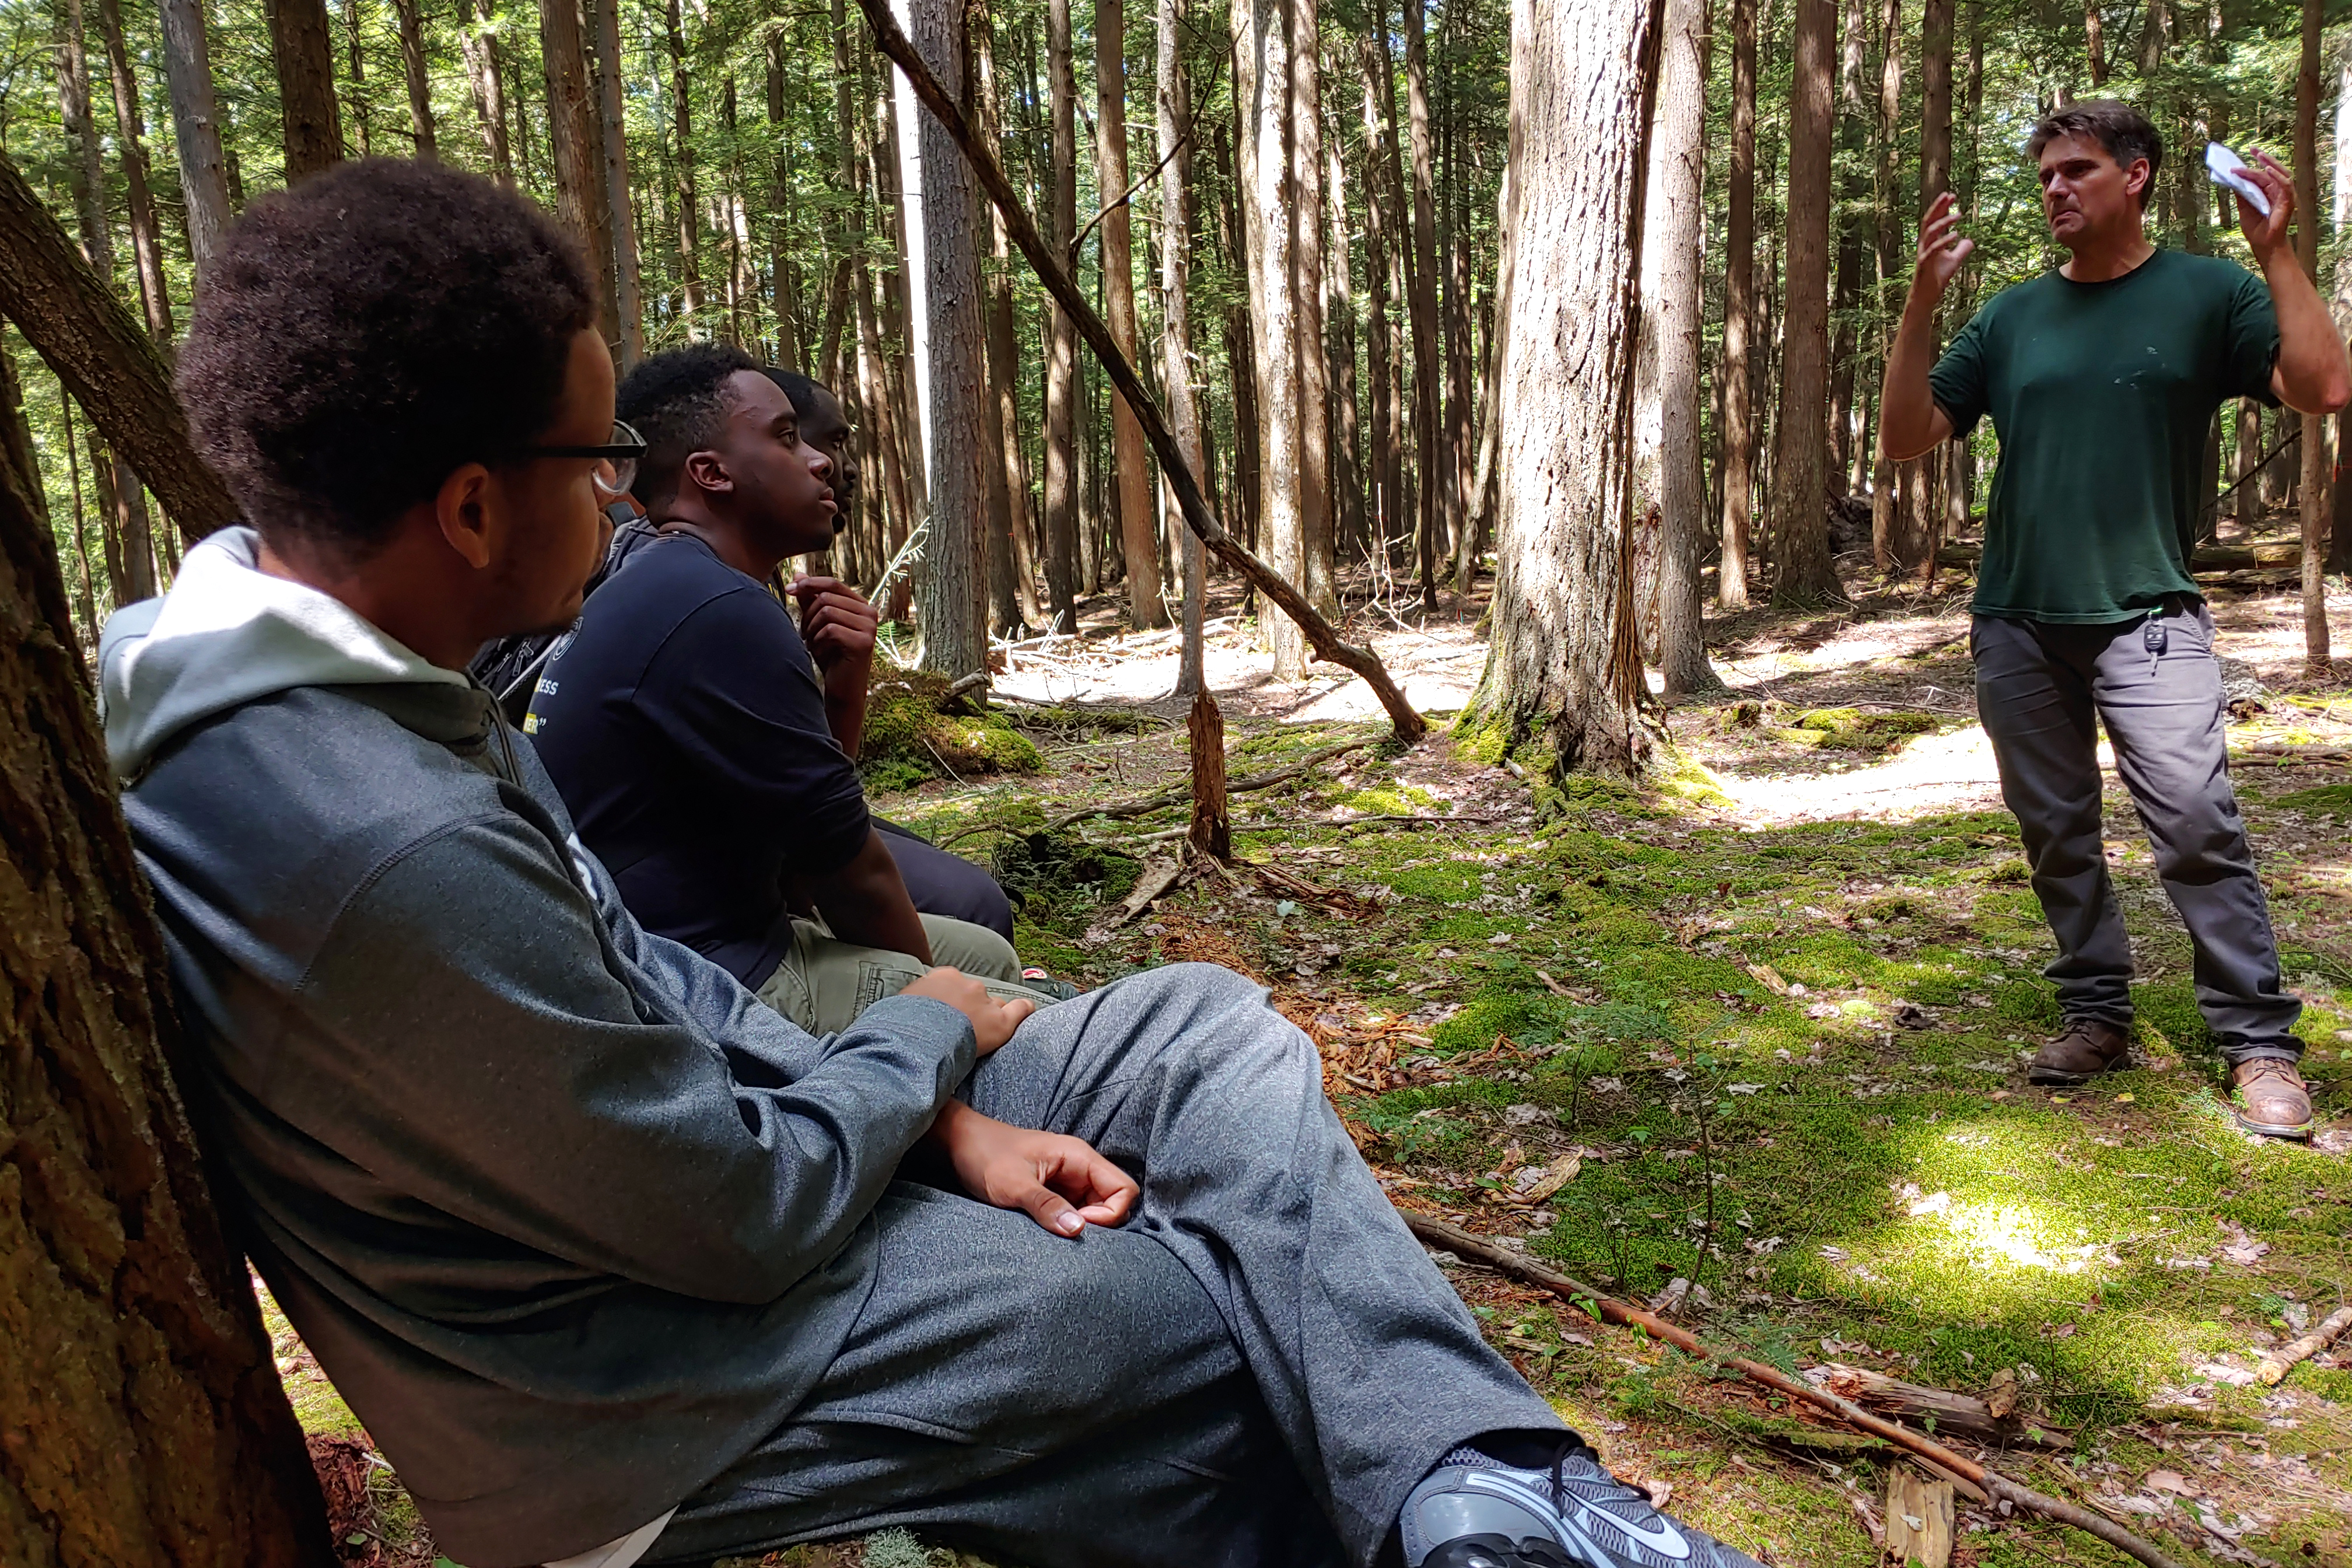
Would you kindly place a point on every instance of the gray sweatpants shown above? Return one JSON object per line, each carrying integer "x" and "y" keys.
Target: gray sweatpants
{"x": 2156, "y": 687}
{"x": 1256, "y": 1368}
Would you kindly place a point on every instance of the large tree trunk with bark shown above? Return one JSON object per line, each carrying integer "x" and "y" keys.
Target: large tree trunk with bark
{"x": 1176, "y": 322}
{"x": 146, "y": 1427}
{"x": 1739, "y": 316}
{"x": 1061, "y": 498}
{"x": 303, "y": 47}
{"x": 83, "y": 332}
{"x": 2313, "y": 498}
{"x": 196, "y": 125}
{"x": 577, "y": 148}
{"x": 1666, "y": 442}
{"x": 130, "y": 146}
{"x": 620, "y": 212}
{"x": 1804, "y": 576}
{"x": 1262, "y": 62}
{"x": 1437, "y": 500}
{"x": 1011, "y": 579}
{"x": 1315, "y": 554}
{"x": 1932, "y": 523}
{"x": 1145, "y": 607}
{"x": 412, "y": 68}
{"x": 689, "y": 198}
{"x": 954, "y": 579}
{"x": 485, "y": 77}
{"x": 1563, "y": 677}
{"x": 1386, "y": 511}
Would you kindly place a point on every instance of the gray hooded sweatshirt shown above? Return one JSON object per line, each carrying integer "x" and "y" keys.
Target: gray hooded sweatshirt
{"x": 570, "y": 1220}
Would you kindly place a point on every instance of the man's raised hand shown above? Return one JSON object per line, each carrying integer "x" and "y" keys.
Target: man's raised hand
{"x": 2266, "y": 235}
{"x": 836, "y": 623}
{"x": 1941, "y": 250}
{"x": 1060, "y": 1180}
{"x": 992, "y": 1022}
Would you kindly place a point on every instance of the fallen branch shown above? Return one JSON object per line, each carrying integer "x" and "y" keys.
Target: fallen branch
{"x": 1175, "y": 794}
{"x": 1153, "y": 884}
{"x": 1462, "y": 1242}
{"x": 2276, "y": 1364}
{"x": 893, "y": 42}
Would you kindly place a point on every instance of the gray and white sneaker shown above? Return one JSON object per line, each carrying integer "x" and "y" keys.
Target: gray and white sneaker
{"x": 1474, "y": 1512}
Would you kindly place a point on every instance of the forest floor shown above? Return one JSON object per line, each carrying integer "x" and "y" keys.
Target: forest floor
{"x": 1766, "y": 1032}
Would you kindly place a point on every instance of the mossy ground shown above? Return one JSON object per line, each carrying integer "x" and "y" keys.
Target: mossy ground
{"x": 1790, "y": 1057}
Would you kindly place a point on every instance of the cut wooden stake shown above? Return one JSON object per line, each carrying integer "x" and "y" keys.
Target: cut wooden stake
{"x": 1463, "y": 1244}
{"x": 2276, "y": 1364}
{"x": 893, "y": 42}
{"x": 1212, "y": 832}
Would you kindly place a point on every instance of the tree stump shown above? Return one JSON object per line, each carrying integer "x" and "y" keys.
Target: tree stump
{"x": 1212, "y": 833}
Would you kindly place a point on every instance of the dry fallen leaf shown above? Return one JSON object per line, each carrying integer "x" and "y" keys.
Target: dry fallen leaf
{"x": 1549, "y": 1180}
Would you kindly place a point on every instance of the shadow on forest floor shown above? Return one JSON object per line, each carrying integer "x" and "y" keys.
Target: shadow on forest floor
{"x": 1779, "y": 1015}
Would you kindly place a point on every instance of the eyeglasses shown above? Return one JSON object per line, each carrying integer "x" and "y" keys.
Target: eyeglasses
{"x": 619, "y": 458}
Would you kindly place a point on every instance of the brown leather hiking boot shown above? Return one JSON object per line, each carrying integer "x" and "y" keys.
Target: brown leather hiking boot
{"x": 2269, "y": 1097}
{"x": 2083, "y": 1049}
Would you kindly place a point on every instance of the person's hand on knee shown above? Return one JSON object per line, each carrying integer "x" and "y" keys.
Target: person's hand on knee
{"x": 1061, "y": 1180}
{"x": 992, "y": 1022}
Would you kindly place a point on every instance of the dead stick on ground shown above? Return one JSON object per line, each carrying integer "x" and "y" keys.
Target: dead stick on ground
{"x": 1463, "y": 1244}
{"x": 893, "y": 41}
{"x": 2276, "y": 1365}
{"x": 1162, "y": 799}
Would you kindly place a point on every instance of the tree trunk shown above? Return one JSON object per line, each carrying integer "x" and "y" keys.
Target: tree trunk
{"x": 303, "y": 47}
{"x": 1386, "y": 515}
{"x": 1131, "y": 468}
{"x": 577, "y": 148}
{"x": 2094, "y": 38}
{"x": 131, "y": 144}
{"x": 1671, "y": 328}
{"x": 1173, "y": 124}
{"x": 1437, "y": 500}
{"x": 484, "y": 75}
{"x": 953, "y": 584}
{"x": 1739, "y": 316}
{"x": 1317, "y": 554}
{"x": 1935, "y": 523}
{"x": 2314, "y": 497}
{"x": 1010, "y": 576}
{"x": 689, "y": 203}
{"x": 411, "y": 67}
{"x": 1061, "y": 497}
{"x": 196, "y": 124}
{"x": 1345, "y": 435}
{"x": 1563, "y": 677}
{"x": 356, "y": 98}
{"x": 629, "y": 302}
{"x": 1478, "y": 524}
{"x": 147, "y": 1426}
{"x": 1844, "y": 457}
{"x": 108, "y": 365}
{"x": 88, "y": 585}
{"x": 1804, "y": 576}
{"x": 1262, "y": 75}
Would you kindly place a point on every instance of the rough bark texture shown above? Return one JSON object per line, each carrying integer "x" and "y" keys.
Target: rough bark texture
{"x": 1263, "y": 73}
{"x": 130, "y": 146}
{"x": 107, "y": 363}
{"x": 628, "y": 306}
{"x": 196, "y": 124}
{"x": 953, "y": 586}
{"x": 304, "y": 50}
{"x": 144, "y": 1423}
{"x": 1176, "y": 322}
{"x": 576, "y": 146}
{"x": 1935, "y": 178}
{"x": 1667, "y": 417}
{"x": 1132, "y": 470}
{"x": 487, "y": 79}
{"x": 1212, "y": 829}
{"x": 1428, "y": 375}
{"x": 1563, "y": 672}
{"x": 1316, "y": 563}
{"x": 689, "y": 200}
{"x": 1346, "y": 435}
{"x": 1011, "y": 579}
{"x": 2313, "y": 498}
{"x": 1739, "y": 315}
{"x": 1062, "y": 341}
{"x": 1804, "y": 576}
{"x": 411, "y": 67}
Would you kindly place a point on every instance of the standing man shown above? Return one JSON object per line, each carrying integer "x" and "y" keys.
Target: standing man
{"x": 2101, "y": 379}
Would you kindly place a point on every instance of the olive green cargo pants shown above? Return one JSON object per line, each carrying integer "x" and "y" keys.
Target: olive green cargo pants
{"x": 822, "y": 982}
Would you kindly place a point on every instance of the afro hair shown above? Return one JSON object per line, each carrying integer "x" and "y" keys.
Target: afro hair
{"x": 368, "y": 330}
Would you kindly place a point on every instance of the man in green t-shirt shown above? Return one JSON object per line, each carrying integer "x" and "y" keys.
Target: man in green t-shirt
{"x": 2102, "y": 379}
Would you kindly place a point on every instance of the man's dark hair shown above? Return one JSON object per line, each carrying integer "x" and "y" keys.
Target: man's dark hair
{"x": 678, "y": 401}
{"x": 2115, "y": 125}
{"x": 370, "y": 329}
{"x": 803, "y": 392}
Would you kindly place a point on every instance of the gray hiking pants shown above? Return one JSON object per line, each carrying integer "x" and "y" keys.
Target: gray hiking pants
{"x": 2156, "y": 687}
{"x": 1254, "y": 1369}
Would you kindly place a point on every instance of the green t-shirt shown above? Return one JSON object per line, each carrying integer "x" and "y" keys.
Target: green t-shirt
{"x": 2101, "y": 394}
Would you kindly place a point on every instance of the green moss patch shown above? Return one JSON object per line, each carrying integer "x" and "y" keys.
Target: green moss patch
{"x": 909, "y": 740}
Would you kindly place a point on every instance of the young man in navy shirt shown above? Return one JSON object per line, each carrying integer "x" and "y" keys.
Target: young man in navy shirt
{"x": 705, "y": 743}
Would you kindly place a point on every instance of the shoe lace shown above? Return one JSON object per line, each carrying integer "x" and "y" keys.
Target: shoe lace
{"x": 2267, "y": 1067}
{"x": 1570, "y": 1445}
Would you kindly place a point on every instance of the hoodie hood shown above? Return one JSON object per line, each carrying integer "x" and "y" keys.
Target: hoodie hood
{"x": 228, "y": 633}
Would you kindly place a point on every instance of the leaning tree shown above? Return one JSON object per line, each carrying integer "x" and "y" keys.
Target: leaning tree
{"x": 1563, "y": 679}
{"x": 142, "y": 1422}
